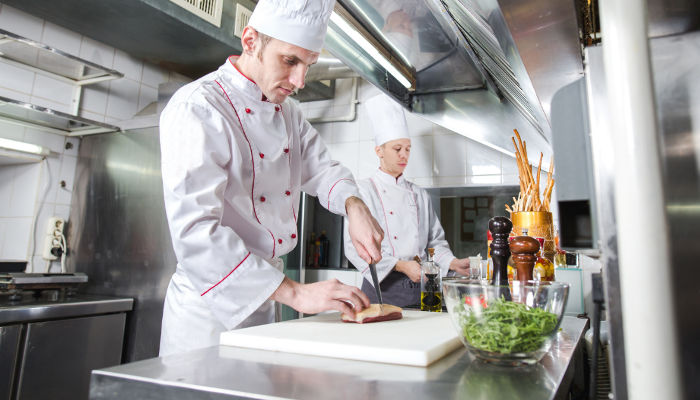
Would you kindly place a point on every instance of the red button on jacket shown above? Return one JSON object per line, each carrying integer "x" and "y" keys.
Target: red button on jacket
{"x": 262, "y": 199}
{"x": 247, "y": 110}
{"x": 287, "y": 192}
{"x": 279, "y": 241}
{"x": 294, "y": 235}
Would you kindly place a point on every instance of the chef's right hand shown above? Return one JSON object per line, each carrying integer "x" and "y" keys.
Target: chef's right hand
{"x": 410, "y": 268}
{"x": 313, "y": 298}
{"x": 364, "y": 230}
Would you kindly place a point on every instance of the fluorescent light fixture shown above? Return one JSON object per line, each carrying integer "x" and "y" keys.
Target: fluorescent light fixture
{"x": 369, "y": 48}
{"x": 23, "y": 147}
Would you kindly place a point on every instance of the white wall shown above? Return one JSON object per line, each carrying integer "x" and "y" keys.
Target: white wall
{"x": 32, "y": 190}
{"x": 439, "y": 157}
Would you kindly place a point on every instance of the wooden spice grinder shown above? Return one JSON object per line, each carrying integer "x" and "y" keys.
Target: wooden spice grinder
{"x": 524, "y": 250}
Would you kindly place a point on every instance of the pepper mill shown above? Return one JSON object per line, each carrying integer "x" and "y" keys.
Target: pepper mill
{"x": 524, "y": 249}
{"x": 500, "y": 228}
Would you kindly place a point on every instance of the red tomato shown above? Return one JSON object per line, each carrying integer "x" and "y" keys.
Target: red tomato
{"x": 482, "y": 300}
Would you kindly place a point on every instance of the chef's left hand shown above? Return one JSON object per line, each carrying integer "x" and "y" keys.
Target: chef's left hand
{"x": 313, "y": 298}
{"x": 365, "y": 232}
{"x": 460, "y": 266}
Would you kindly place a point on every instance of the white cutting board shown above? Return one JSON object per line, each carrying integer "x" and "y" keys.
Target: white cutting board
{"x": 418, "y": 339}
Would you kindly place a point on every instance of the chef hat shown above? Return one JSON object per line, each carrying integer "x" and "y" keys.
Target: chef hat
{"x": 300, "y": 22}
{"x": 388, "y": 119}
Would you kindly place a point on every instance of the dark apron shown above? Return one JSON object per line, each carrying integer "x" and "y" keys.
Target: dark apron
{"x": 397, "y": 290}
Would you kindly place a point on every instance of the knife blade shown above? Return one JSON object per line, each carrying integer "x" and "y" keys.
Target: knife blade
{"x": 375, "y": 281}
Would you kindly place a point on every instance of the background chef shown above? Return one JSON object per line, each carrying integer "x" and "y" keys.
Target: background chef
{"x": 235, "y": 156}
{"x": 403, "y": 210}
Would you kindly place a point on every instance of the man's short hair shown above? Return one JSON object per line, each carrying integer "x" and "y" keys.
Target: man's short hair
{"x": 264, "y": 40}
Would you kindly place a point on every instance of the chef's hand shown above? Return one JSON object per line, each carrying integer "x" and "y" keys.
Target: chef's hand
{"x": 410, "y": 268}
{"x": 313, "y": 298}
{"x": 365, "y": 232}
{"x": 460, "y": 266}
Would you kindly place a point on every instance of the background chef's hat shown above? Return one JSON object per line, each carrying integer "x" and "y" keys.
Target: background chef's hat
{"x": 300, "y": 22}
{"x": 388, "y": 119}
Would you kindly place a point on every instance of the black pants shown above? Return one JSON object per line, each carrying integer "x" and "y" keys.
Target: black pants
{"x": 397, "y": 290}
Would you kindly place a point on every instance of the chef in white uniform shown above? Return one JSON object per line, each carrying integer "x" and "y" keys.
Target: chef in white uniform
{"x": 235, "y": 156}
{"x": 404, "y": 212}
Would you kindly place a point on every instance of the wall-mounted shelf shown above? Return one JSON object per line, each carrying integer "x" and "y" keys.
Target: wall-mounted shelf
{"x": 38, "y": 57}
{"x": 46, "y": 119}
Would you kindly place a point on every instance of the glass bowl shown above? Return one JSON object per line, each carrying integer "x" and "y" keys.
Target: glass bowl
{"x": 507, "y": 325}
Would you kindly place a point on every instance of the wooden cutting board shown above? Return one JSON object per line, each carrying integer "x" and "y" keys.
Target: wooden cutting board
{"x": 418, "y": 339}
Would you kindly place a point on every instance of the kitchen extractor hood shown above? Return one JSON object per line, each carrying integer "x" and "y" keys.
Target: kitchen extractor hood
{"x": 480, "y": 68}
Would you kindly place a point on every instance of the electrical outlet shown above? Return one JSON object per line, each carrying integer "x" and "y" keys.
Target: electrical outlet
{"x": 53, "y": 239}
{"x": 242, "y": 16}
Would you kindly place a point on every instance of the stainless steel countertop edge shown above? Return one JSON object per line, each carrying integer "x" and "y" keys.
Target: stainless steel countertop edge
{"x": 183, "y": 385}
{"x": 75, "y": 307}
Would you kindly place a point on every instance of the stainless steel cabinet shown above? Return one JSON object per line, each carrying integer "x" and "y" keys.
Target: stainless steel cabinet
{"x": 58, "y": 356}
{"x": 9, "y": 349}
{"x": 48, "y": 348}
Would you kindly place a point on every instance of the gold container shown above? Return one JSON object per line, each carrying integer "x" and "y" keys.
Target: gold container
{"x": 539, "y": 225}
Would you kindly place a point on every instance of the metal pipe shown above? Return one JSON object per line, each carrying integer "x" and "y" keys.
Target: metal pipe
{"x": 651, "y": 344}
{"x": 347, "y": 118}
{"x": 329, "y": 68}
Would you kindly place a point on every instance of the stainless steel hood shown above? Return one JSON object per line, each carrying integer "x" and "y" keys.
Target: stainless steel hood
{"x": 479, "y": 67}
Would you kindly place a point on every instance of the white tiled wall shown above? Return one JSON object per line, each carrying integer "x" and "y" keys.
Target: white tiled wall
{"x": 31, "y": 193}
{"x": 439, "y": 157}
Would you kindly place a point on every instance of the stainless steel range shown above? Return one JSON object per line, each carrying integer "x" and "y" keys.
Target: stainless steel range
{"x": 16, "y": 285}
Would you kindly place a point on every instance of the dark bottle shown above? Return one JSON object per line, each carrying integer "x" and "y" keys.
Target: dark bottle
{"x": 311, "y": 251}
{"x": 323, "y": 250}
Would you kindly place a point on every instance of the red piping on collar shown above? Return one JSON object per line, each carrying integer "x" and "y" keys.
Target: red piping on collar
{"x": 264, "y": 98}
{"x": 250, "y": 147}
{"x": 239, "y": 71}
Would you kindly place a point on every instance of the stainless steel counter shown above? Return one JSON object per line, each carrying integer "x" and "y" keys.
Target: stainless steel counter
{"x": 236, "y": 373}
{"x": 31, "y": 309}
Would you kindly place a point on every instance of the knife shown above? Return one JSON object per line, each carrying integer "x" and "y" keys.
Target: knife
{"x": 375, "y": 281}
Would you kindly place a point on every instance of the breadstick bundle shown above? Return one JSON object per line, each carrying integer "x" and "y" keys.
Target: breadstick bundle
{"x": 530, "y": 198}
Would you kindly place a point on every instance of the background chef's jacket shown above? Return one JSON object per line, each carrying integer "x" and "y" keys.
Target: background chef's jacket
{"x": 233, "y": 167}
{"x": 409, "y": 221}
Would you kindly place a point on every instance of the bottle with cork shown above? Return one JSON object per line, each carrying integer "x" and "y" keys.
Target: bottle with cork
{"x": 430, "y": 285}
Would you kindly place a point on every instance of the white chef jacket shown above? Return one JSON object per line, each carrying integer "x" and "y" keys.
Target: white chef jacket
{"x": 233, "y": 167}
{"x": 409, "y": 221}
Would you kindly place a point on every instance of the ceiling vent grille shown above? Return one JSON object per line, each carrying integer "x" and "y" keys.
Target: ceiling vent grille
{"x": 208, "y": 10}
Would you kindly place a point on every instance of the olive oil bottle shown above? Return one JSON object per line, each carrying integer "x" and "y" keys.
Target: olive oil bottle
{"x": 430, "y": 285}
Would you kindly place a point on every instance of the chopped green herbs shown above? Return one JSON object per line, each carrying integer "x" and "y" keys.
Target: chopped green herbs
{"x": 507, "y": 327}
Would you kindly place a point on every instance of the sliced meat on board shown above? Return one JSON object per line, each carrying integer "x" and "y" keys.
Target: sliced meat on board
{"x": 375, "y": 313}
